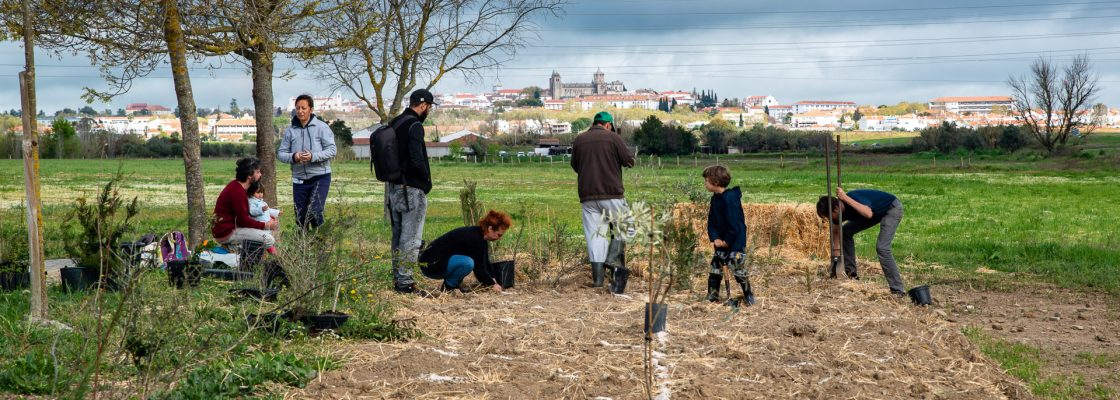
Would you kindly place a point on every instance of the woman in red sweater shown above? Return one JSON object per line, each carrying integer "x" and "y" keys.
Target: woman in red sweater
{"x": 232, "y": 222}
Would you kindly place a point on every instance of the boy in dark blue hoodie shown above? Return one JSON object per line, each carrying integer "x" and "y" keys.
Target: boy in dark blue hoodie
{"x": 727, "y": 229}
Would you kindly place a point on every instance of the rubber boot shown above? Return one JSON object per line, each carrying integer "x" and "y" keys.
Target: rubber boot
{"x": 713, "y": 287}
{"x": 597, "y": 275}
{"x": 618, "y": 284}
{"x": 748, "y": 294}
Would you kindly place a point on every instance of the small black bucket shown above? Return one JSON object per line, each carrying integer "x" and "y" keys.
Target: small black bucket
{"x": 182, "y": 273}
{"x": 266, "y": 294}
{"x": 226, "y": 274}
{"x": 659, "y": 313}
{"x": 15, "y": 280}
{"x": 270, "y": 322}
{"x": 920, "y": 295}
{"x": 324, "y": 321}
{"x": 618, "y": 282}
{"x": 76, "y": 279}
{"x": 504, "y": 272}
{"x": 250, "y": 255}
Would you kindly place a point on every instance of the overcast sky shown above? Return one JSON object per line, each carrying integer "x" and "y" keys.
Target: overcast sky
{"x": 869, "y": 52}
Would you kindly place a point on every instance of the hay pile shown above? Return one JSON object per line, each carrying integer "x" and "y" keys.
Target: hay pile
{"x": 842, "y": 340}
{"x": 789, "y": 231}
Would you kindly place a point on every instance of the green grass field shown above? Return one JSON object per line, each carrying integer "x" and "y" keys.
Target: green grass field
{"x": 1055, "y": 218}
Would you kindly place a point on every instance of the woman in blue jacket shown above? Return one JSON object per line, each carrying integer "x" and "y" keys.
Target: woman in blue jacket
{"x": 308, "y": 145}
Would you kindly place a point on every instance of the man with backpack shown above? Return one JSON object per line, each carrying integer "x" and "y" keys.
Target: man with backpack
{"x": 401, "y": 161}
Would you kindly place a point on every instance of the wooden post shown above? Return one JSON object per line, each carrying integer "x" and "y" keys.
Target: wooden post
{"x": 833, "y": 273}
{"x": 839, "y": 226}
{"x": 31, "y": 171}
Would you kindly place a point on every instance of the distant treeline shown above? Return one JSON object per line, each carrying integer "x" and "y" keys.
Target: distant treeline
{"x": 113, "y": 145}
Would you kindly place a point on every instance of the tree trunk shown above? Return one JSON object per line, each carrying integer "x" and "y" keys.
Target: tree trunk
{"x": 31, "y": 171}
{"x": 188, "y": 118}
{"x": 264, "y": 107}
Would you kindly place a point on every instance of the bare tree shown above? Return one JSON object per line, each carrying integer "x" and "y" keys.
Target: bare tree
{"x": 1058, "y": 95}
{"x": 32, "y": 184}
{"x": 254, "y": 32}
{"x": 128, "y": 39}
{"x": 421, "y": 41}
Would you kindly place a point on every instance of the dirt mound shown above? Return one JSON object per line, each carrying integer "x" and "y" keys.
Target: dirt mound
{"x": 844, "y": 339}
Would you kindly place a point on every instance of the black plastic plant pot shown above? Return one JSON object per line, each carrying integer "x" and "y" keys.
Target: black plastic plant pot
{"x": 659, "y": 313}
{"x": 618, "y": 280}
{"x": 130, "y": 251}
{"x": 266, "y": 294}
{"x": 77, "y": 279}
{"x": 15, "y": 280}
{"x": 250, "y": 255}
{"x": 183, "y": 273}
{"x": 227, "y": 274}
{"x": 270, "y": 322}
{"x": 324, "y": 321}
{"x": 505, "y": 273}
{"x": 920, "y": 295}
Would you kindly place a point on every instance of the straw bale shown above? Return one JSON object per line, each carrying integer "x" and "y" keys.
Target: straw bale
{"x": 776, "y": 230}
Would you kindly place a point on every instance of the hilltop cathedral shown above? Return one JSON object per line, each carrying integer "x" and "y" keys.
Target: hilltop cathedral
{"x": 598, "y": 86}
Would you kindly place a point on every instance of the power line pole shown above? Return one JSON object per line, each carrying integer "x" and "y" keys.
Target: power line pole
{"x": 31, "y": 170}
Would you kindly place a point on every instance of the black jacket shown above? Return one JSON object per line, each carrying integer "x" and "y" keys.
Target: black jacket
{"x": 465, "y": 241}
{"x": 413, "y": 153}
{"x": 726, "y": 220}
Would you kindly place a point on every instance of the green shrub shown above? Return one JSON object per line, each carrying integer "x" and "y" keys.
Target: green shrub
{"x": 224, "y": 379}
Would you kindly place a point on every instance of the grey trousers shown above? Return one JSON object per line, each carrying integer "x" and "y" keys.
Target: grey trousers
{"x": 407, "y": 208}
{"x": 595, "y": 229}
{"x": 887, "y": 227}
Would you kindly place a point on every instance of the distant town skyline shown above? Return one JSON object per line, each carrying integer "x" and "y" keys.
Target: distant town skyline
{"x": 869, "y": 52}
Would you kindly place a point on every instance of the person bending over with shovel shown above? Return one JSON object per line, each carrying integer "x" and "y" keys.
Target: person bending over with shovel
{"x": 727, "y": 229}
{"x": 864, "y": 208}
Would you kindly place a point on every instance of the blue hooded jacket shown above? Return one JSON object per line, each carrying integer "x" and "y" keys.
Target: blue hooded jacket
{"x": 726, "y": 220}
{"x": 316, "y": 138}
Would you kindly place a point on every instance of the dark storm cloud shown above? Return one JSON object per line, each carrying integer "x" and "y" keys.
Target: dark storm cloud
{"x": 868, "y": 52}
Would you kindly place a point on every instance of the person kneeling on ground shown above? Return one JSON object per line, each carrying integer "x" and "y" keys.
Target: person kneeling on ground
{"x": 232, "y": 222}
{"x": 863, "y": 208}
{"x": 455, "y": 254}
{"x": 727, "y": 229}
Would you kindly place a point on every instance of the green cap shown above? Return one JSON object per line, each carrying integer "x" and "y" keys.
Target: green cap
{"x": 604, "y": 116}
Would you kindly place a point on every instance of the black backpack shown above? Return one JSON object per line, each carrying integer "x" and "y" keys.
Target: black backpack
{"x": 384, "y": 152}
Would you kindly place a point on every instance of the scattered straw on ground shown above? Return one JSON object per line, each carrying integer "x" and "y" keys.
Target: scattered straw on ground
{"x": 844, "y": 339}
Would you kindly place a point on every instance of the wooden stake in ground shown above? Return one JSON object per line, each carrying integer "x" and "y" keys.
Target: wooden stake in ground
{"x": 31, "y": 170}
{"x": 839, "y": 226}
{"x": 832, "y": 273}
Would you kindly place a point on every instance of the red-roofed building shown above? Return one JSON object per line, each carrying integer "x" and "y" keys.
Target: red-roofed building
{"x": 970, "y": 104}
{"x": 759, "y": 101}
{"x": 780, "y": 112}
{"x": 805, "y": 106}
{"x": 154, "y": 109}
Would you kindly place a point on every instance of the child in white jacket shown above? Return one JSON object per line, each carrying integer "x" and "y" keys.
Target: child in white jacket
{"x": 259, "y": 209}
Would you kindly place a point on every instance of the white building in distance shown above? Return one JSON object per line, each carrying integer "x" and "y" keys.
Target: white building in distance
{"x": 970, "y": 104}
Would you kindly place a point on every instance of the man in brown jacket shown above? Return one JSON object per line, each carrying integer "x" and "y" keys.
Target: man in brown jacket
{"x": 598, "y": 156}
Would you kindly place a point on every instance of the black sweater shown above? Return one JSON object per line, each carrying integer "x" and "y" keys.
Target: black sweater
{"x": 465, "y": 241}
{"x": 726, "y": 220}
{"x": 413, "y": 152}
